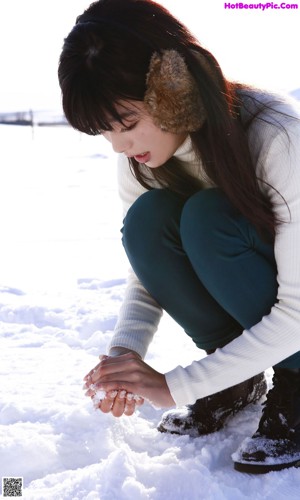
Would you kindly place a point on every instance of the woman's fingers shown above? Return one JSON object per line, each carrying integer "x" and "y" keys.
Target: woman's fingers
{"x": 114, "y": 370}
{"x": 118, "y": 402}
{"x": 88, "y": 377}
{"x": 114, "y": 401}
{"x": 118, "y": 405}
{"x": 113, "y": 397}
{"x": 132, "y": 401}
{"x": 135, "y": 376}
{"x": 129, "y": 408}
{"x": 127, "y": 373}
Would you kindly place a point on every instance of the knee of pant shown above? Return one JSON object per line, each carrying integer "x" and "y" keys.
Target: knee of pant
{"x": 203, "y": 213}
{"x": 148, "y": 217}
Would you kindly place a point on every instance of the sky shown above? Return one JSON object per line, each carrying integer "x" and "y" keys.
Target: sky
{"x": 257, "y": 46}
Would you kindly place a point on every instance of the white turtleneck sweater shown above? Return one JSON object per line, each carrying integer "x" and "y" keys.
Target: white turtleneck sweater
{"x": 275, "y": 150}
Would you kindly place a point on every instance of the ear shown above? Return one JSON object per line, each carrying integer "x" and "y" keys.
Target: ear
{"x": 172, "y": 97}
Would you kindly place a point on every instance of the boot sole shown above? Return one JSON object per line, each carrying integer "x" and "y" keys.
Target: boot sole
{"x": 250, "y": 468}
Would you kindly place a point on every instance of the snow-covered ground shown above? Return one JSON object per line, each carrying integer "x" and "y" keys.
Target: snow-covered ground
{"x": 62, "y": 278}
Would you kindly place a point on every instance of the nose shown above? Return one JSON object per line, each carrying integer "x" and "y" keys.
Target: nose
{"x": 120, "y": 141}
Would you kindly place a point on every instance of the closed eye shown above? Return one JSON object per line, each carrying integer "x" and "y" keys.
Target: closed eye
{"x": 129, "y": 127}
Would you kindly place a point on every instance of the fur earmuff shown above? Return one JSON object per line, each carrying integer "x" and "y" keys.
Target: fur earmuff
{"x": 172, "y": 97}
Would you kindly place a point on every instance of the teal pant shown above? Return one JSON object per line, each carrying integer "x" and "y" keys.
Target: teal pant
{"x": 204, "y": 263}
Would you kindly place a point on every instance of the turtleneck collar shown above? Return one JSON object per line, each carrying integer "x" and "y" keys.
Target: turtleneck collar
{"x": 185, "y": 150}
{"x": 186, "y": 154}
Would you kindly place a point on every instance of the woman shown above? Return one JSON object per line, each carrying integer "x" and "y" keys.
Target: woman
{"x": 209, "y": 179}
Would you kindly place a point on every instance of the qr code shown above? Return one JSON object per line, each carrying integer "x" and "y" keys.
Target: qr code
{"x": 12, "y": 486}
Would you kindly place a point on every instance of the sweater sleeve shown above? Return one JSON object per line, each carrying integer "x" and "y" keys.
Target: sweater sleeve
{"x": 277, "y": 335}
{"x": 138, "y": 318}
{"x": 140, "y": 314}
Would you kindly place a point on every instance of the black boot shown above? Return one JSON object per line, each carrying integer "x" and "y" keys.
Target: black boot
{"x": 276, "y": 443}
{"x": 209, "y": 414}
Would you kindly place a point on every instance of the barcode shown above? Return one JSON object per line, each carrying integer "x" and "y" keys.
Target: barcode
{"x": 12, "y": 486}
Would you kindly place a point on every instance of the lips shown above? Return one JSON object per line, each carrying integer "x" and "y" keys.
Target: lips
{"x": 143, "y": 158}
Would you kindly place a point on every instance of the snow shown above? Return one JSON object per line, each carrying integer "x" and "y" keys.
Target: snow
{"x": 295, "y": 94}
{"x": 62, "y": 278}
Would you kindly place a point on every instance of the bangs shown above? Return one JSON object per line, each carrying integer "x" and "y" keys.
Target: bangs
{"x": 94, "y": 112}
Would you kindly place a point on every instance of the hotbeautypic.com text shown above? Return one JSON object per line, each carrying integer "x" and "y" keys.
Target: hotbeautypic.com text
{"x": 261, "y": 6}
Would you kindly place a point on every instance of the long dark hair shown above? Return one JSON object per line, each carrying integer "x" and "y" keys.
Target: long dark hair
{"x": 105, "y": 59}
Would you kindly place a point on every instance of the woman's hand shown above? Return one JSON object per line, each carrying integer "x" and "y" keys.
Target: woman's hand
{"x": 123, "y": 376}
{"x": 115, "y": 401}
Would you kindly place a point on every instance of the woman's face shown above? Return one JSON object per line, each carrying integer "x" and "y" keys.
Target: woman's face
{"x": 139, "y": 138}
